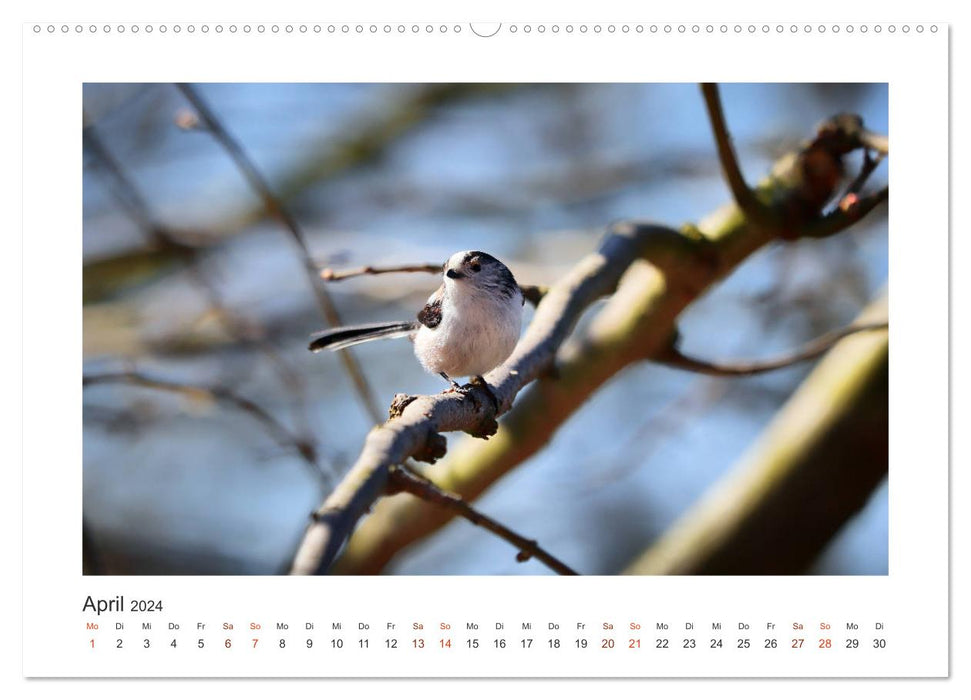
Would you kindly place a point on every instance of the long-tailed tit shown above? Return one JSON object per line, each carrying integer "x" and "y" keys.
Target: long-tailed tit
{"x": 469, "y": 326}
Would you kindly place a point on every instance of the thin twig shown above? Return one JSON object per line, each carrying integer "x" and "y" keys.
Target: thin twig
{"x": 405, "y": 480}
{"x": 866, "y": 170}
{"x": 744, "y": 196}
{"x": 531, "y": 292}
{"x": 218, "y": 393}
{"x": 814, "y": 348}
{"x": 274, "y": 206}
{"x": 851, "y": 209}
{"x": 331, "y": 275}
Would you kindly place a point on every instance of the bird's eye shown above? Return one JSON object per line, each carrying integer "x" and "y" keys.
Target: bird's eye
{"x": 475, "y": 267}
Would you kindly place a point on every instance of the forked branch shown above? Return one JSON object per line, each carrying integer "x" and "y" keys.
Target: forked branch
{"x": 532, "y": 293}
{"x": 744, "y": 196}
{"x": 635, "y": 324}
{"x": 414, "y": 429}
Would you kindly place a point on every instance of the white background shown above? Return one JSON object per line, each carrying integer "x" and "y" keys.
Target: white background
{"x": 917, "y": 336}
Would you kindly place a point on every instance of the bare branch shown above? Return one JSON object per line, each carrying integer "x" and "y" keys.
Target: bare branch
{"x": 866, "y": 170}
{"x": 813, "y": 349}
{"x": 850, "y": 210}
{"x": 416, "y": 421}
{"x": 744, "y": 196}
{"x": 280, "y": 434}
{"x": 404, "y": 480}
{"x": 531, "y": 292}
{"x": 276, "y": 209}
{"x": 873, "y": 141}
{"x": 634, "y": 324}
{"x": 337, "y": 275}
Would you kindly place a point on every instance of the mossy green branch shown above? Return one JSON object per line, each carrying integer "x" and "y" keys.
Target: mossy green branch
{"x": 813, "y": 468}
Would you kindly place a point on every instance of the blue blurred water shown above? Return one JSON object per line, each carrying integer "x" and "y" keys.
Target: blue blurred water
{"x": 531, "y": 175}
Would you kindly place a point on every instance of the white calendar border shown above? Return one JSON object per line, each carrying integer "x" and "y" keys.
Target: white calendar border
{"x": 916, "y": 542}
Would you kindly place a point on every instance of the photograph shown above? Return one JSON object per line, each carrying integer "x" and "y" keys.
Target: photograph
{"x": 485, "y": 329}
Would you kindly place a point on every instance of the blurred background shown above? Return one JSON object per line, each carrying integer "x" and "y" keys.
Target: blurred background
{"x": 186, "y": 279}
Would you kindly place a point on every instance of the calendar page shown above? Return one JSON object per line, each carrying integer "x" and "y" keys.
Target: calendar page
{"x": 427, "y": 347}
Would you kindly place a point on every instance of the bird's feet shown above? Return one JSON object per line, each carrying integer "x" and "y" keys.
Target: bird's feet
{"x": 476, "y": 381}
{"x": 454, "y": 384}
{"x": 481, "y": 383}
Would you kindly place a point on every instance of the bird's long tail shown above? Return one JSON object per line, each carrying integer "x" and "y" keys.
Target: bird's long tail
{"x": 346, "y": 336}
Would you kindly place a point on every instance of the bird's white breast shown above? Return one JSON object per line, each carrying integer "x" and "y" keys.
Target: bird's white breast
{"x": 477, "y": 333}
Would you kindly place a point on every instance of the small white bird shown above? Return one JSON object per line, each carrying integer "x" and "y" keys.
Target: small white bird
{"x": 469, "y": 326}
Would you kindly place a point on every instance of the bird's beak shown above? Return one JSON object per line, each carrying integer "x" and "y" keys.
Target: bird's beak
{"x": 453, "y": 275}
